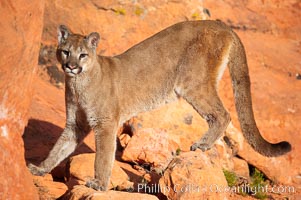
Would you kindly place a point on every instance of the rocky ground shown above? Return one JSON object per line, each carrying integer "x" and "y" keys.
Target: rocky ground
{"x": 153, "y": 160}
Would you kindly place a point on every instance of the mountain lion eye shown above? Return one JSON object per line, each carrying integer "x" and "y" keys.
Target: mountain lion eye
{"x": 66, "y": 53}
{"x": 83, "y": 55}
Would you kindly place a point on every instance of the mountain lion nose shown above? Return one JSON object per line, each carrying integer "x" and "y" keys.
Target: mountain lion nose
{"x": 71, "y": 66}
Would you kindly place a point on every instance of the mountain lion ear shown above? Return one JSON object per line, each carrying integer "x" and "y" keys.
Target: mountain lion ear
{"x": 62, "y": 33}
{"x": 92, "y": 40}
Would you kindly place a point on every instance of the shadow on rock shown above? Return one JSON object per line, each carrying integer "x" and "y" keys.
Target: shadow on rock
{"x": 40, "y": 136}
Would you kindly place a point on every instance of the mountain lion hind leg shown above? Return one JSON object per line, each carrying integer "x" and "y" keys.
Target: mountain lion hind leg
{"x": 200, "y": 73}
{"x": 210, "y": 107}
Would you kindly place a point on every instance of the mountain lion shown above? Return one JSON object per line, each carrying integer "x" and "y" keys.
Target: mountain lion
{"x": 185, "y": 60}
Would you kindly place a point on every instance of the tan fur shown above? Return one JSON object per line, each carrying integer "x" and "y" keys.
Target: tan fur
{"x": 186, "y": 59}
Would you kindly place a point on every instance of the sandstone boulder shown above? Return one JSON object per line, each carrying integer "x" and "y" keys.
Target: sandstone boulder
{"x": 241, "y": 167}
{"x": 21, "y": 28}
{"x": 82, "y": 169}
{"x": 49, "y": 189}
{"x": 193, "y": 176}
{"x": 150, "y": 146}
{"x": 161, "y": 134}
{"x": 180, "y": 122}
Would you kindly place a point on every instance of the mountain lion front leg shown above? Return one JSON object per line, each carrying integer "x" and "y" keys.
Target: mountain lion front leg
{"x": 105, "y": 143}
{"x": 65, "y": 145}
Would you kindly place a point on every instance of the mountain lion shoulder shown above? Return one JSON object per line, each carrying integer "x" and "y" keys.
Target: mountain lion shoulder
{"x": 185, "y": 60}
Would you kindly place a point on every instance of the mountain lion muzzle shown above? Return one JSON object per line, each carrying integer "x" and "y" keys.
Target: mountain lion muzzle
{"x": 185, "y": 60}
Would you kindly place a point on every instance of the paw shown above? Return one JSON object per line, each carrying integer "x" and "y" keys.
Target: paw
{"x": 95, "y": 184}
{"x": 202, "y": 146}
{"x": 35, "y": 170}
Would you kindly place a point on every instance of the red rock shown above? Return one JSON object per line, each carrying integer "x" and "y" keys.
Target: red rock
{"x": 119, "y": 31}
{"x": 175, "y": 128}
{"x": 82, "y": 169}
{"x": 21, "y": 28}
{"x": 48, "y": 189}
{"x": 193, "y": 176}
{"x": 150, "y": 146}
{"x": 179, "y": 120}
{"x": 241, "y": 167}
{"x": 82, "y": 192}
{"x": 124, "y": 140}
{"x": 137, "y": 174}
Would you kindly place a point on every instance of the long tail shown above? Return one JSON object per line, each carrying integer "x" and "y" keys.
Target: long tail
{"x": 241, "y": 88}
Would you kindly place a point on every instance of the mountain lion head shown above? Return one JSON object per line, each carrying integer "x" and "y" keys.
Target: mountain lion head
{"x": 76, "y": 52}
